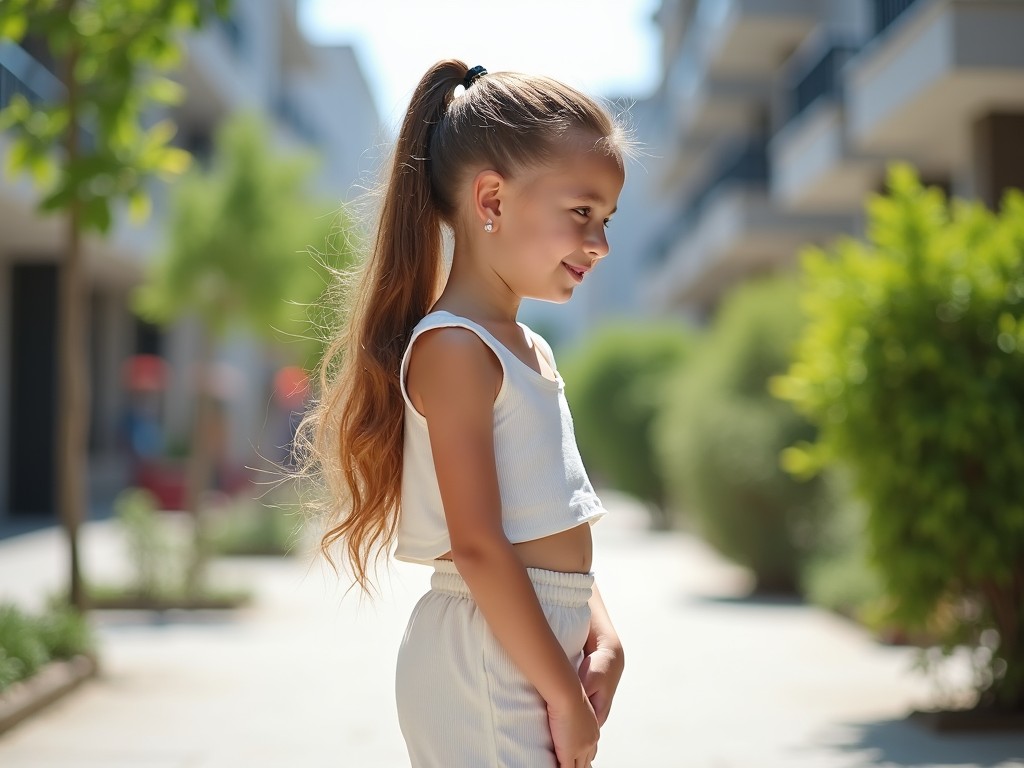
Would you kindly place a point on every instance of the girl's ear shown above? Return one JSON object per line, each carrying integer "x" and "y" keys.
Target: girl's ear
{"x": 488, "y": 189}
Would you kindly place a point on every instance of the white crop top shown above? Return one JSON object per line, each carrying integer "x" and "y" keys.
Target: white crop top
{"x": 543, "y": 484}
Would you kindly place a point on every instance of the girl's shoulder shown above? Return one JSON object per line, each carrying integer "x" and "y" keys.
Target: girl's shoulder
{"x": 452, "y": 355}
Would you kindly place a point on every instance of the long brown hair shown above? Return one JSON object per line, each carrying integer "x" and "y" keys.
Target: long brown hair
{"x": 350, "y": 441}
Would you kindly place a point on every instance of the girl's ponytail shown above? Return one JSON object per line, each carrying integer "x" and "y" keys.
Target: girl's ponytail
{"x": 352, "y": 438}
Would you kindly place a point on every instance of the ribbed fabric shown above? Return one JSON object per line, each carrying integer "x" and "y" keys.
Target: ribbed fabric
{"x": 462, "y": 701}
{"x": 543, "y": 484}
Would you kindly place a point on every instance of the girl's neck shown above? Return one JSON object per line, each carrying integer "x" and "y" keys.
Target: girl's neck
{"x": 475, "y": 292}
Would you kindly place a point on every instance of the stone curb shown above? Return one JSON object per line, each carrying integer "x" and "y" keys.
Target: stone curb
{"x": 50, "y": 683}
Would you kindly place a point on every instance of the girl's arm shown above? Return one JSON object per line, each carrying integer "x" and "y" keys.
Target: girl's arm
{"x": 453, "y": 380}
{"x": 603, "y": 659}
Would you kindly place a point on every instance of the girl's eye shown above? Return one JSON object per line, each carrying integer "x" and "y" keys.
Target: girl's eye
{"x": 585, "y": 213}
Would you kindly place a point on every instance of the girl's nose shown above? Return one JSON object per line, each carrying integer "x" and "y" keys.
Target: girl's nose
{"x": 597, "y": 242}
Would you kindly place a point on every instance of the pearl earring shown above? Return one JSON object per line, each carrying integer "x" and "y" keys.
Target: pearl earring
{"x": 489, "y": 226}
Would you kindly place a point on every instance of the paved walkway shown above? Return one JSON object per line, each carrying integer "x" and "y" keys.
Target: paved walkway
{"x": 304, "y": 677}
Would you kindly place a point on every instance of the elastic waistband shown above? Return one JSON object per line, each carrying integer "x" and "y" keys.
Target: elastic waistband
{"x": 572, "y": 590}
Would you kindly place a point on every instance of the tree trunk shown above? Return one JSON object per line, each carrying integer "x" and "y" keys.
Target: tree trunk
{"x": 1006, "y": 601}
{"x": 73, "y": 368}
{"x": 200, "y": 467}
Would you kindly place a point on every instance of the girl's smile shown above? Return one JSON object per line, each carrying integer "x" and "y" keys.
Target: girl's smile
{"x": 576, "y": 272}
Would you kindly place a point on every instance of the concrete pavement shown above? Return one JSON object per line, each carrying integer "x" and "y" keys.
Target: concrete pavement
{"x": 304, "y": 677}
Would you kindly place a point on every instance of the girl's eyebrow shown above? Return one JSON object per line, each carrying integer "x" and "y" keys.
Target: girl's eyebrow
{"x": 590, "y": 197}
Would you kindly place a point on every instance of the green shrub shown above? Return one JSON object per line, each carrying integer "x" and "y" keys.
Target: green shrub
{"x": 249, "y": 527}
{"x": 613, "y": 384}
{"x": 24, "y": 651}
{"x": 65, "y": 632}
{"x": 912, "y": 363}
{"x": 27, "y": 642}
{"x": 721, "y": 434}
{"x": 157, "y": 564}
{"x": 838, "y": 574}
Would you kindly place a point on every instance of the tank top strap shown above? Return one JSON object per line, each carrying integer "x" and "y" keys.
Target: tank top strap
{"x": 445, "y": 319}
{"x": 541, "y": 343}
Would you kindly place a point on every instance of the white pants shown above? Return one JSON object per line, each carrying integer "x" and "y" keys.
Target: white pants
{"x": 462, "y": 702}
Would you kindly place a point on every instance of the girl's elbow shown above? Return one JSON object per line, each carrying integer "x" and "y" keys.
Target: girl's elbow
{"x": 480, "y": 551}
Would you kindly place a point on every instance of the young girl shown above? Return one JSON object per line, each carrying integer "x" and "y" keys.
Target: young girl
{"x": 445, "y": 431}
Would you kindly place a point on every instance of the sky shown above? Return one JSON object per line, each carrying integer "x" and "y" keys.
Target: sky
{"x": 604, "y": 47}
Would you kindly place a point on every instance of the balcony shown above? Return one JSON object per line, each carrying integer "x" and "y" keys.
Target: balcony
{"x": 721, "y": 80}
{"x": 817, "y": 77}
{"x": 744, "y": 38}
{"x": 935, "y": 67}
{"x": 728, "y": 231}
{"x": 814, "y": 169}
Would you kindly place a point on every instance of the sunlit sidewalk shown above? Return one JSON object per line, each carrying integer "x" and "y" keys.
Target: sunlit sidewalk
{"x": 304, "y": 677}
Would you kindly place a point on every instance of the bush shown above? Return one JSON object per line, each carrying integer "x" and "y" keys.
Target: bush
{"x": 721, "y": 434}
{"x": 912, "y": 363}
{"x": 613, "y": 384}
{"x": 838, "y": 574}
{"x": 64, "y": 631}
{"x": 22, "y": 651}
{"x": 249, "y": 527}
{"x": 160, "y": 548}
{"x": 28, "y": 642}
{"x": 157, "y": 560}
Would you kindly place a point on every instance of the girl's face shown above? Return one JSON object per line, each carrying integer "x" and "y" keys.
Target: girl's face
{"x": 552, "y": 223}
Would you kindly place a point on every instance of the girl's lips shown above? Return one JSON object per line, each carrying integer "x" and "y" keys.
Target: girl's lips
{"x": 577, "y": 275}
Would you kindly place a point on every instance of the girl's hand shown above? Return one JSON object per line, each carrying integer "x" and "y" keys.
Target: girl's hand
{"x": 574, "y": 731}
{"x": 600, "y": 673}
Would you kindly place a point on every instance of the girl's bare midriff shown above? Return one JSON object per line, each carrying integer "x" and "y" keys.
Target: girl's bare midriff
{"x": 568, "y": 551}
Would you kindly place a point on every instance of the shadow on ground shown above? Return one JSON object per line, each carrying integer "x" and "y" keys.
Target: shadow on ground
{"x": 753, "y": 598}
{"x": 904, "y": 743}
{"x": 129, "y": 619}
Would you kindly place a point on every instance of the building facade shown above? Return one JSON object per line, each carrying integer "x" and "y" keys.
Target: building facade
{"x": 783, "y": 115}
{"x": 313, "y": 97}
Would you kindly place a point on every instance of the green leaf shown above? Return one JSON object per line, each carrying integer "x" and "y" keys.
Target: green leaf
{"x": 17, "y": 111}
{"x": 44, "y": 170}
{"x": 174, "y": 161}
{"x": 165, "y": 91}
{"x": 139, "y": 206}
{"x": 13, "y": 27}
{"x": 96, "y": 214}
{"x": 18, "y": 157}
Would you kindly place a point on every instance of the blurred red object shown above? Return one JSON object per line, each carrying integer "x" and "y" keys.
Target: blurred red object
{"x": 290, "y": 386}
{"x": 165, "y": 480}
{"x": 144, "y": 373}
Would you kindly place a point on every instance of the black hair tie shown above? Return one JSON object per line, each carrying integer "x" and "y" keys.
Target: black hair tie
{"x": 472, "y": 75}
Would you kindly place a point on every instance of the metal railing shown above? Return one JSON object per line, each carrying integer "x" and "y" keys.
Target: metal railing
{"x": 887, "y": 11}
{"x": 746, "y": 164}
{"x": 818, "y": 78}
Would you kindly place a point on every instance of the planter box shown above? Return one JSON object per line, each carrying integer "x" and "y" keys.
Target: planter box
{"x": 137, "y": 603}
{"x": 46, "y": 686}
